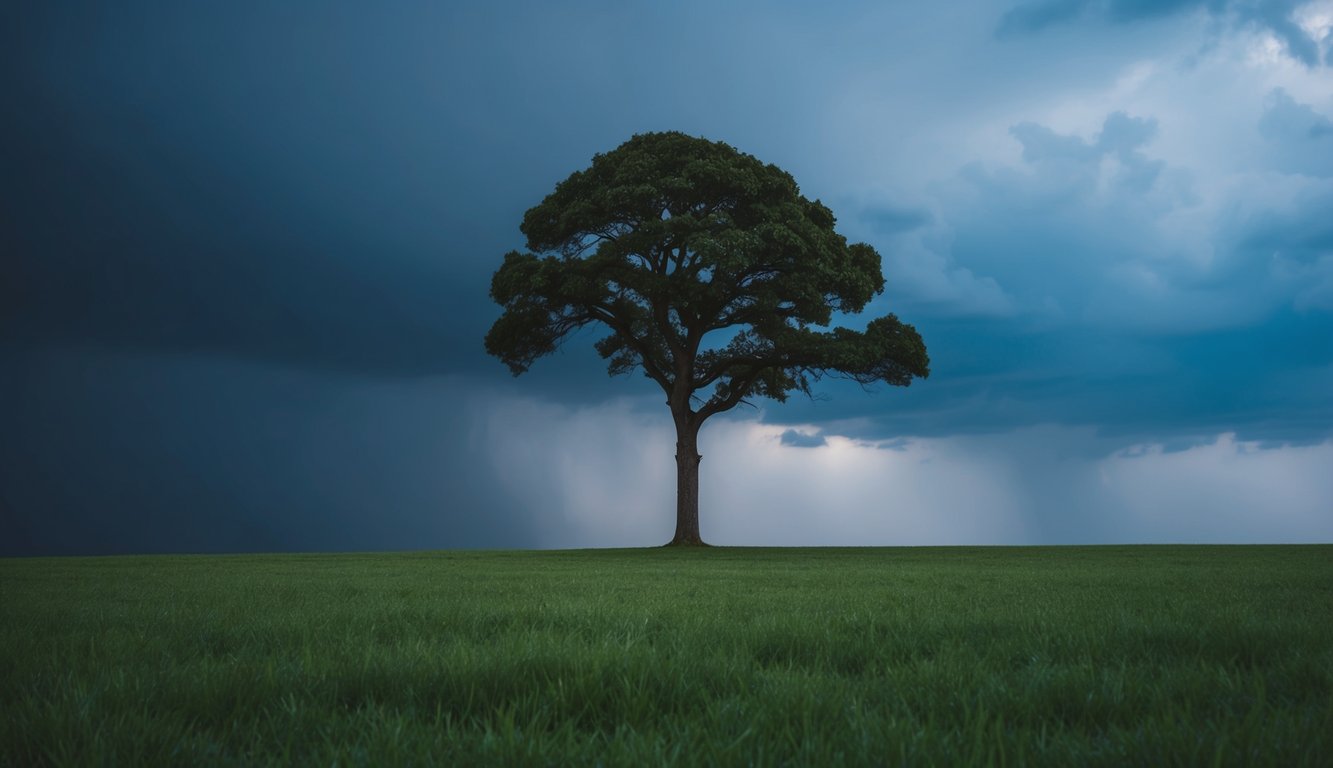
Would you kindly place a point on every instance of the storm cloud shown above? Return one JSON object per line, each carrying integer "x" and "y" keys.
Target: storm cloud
{"x": 245, "y": 253}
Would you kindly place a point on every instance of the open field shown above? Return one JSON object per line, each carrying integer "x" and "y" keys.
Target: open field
{"x": 1072, "y": 655}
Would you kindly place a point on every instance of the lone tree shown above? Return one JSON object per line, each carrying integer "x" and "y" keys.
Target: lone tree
{"x": 668, "y": 239}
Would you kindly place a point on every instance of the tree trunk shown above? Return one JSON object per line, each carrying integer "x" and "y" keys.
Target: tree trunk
{"x": 687, "y": 484}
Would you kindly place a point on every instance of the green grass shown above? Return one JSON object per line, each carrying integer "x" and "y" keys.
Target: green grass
{"x": 1067, "y": 656}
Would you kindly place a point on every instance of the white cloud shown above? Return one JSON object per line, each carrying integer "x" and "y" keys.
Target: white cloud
{"x": 1224, "y": 491}
{"x": 761, "y": 492}
{"x": 1316, "y": 20}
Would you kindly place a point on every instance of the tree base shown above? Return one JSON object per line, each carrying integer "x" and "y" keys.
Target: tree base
{"x": 687, "y": 543}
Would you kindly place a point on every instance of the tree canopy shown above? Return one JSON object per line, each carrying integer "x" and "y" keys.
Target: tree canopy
{"x": 709, "y": 272}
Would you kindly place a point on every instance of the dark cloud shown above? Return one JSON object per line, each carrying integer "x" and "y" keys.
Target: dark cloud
{"x": 116, "y": 453}
{"x": 1035, "y": 16}
{"x": 1259, "y": 235}
{"x": 256, "y": 182}
{"x": 1041, "y": 144}
{"x": 1274, "y": 16}
{"x": 797, "y": 439}
{"x": 327, "y": 188}
{"x": 1125, "y": 135}
{"x": 887, "y": 219}
{"x": 1110, "y": 331}
{"x": 1135, "y": 10}
{"x": 1299, "y": 139}
{"x": 1121, "y": 137}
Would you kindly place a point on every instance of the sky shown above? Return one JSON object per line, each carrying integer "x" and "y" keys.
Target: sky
{"x": 245, "y": 250}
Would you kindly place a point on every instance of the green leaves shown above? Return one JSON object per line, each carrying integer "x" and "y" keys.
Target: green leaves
{"x": 669, "y": 238}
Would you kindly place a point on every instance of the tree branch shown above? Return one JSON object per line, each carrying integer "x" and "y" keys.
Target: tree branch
{"x": 611, "y": 319}
{"x": 734, "y": 396}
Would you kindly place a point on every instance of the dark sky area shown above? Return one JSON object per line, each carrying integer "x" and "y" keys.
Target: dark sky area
{"x": 245, "y": 251}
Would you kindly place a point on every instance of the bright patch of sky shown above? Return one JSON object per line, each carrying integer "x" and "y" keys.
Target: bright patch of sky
{"x": 605, "y": 479}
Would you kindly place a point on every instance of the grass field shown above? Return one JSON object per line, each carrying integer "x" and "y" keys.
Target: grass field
{"x": 1090, "y": 656}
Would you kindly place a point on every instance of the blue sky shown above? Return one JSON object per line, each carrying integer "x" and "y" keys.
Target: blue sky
{"x": 247, "y": 247}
